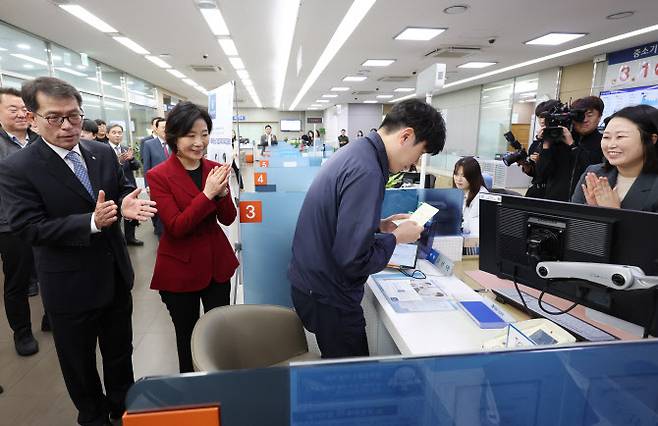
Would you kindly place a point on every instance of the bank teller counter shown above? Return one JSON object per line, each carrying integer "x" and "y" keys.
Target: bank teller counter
{"x": 611, "y": 383}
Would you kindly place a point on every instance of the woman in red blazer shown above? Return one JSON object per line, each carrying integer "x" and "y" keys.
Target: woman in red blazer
{"x": 195, "y": 260}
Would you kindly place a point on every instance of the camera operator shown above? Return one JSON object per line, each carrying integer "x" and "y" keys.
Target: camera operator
{"x": 586, "y": 133}
{"x": 562, "y": 159}
{"x": 529, "y": 165}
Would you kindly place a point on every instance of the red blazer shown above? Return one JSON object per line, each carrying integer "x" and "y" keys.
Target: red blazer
{"x": 193, "y": 249}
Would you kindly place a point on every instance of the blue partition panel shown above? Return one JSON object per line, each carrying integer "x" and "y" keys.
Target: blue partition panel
{"x": 291, "y": 179}
{"x": 595, "y": 384}
{"x": 266, "y": 247}
{"x": 289, "y": 161}
{"x": 449, "y": 201}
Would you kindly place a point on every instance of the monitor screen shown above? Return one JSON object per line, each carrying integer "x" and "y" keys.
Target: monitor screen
{"x": 291, "y": 125}
{"x": 516, "y": 233}
{"x": 615, "y": 100}
{"x": 404, "y": 256}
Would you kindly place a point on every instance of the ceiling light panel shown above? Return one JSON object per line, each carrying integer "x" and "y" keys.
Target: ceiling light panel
{"x": 88, "y": 18}
{"x": 329, "y": 96}
{"x": 369, "y": 102}
{"x": 384, "y": 96}
{"x": 215, "y": 21}
{"x": 355, "y": 78}
{"x": 378, "y": 62}
{"x": 176, "y": 73}
{"x": 228, "y": 46}
{"x": 476, "y": 65}
{"x": 554, "y": 39}
{"x": 404, "y": 89}
{"x": 322, "y": 101}
{"x": 132, "y": 45}
{"x": 236, "y": 63}
{"x": 157, "y": 61}
{"x": 419, "y": 34}
{"x": 340, "y": 89}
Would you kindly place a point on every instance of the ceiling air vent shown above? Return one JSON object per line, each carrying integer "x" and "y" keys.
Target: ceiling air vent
{"x": 453, "y": 51}
{"x": 394, "y": 78}
{"x": 206, "y": 68}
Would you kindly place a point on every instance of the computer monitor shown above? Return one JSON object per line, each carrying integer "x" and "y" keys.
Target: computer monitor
{"x": 516, "y": 233}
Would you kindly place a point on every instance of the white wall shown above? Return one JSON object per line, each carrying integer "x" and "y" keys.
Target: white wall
{"x": 257, "y": 118}
{"x": 363, "y": 117}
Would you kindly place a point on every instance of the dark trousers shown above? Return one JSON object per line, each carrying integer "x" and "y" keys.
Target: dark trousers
{"x": 75, "y": 336}
{"x": 340, "y": 333}
{"x": 17, "y": 265}
{"x": 158, "y": 227}
{"x": 129, "y": 228}
{"x": 184, "y": 311}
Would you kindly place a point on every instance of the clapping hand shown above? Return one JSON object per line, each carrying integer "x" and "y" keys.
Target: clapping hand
{"x": 133, "y": 207}
{"x": 217, "y": 181}
{"x": 105, "y": 213}
{"x": 598, "y": 192}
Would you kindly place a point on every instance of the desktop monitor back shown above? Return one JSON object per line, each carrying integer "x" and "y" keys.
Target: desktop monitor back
{"x": 518, "y": 232}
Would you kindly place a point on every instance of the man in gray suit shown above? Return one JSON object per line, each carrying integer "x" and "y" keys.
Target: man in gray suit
{"x": 155, "y": 152}
{"x": 267, "y": 139}
{"x": 129, "y": 164}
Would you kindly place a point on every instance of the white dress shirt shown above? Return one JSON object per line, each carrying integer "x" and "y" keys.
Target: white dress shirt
{"x": 471, "y": 218}
{"x": 63, "y": 152}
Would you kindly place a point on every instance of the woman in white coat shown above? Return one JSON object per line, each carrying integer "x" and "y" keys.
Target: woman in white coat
{"x": 468, "y": 177}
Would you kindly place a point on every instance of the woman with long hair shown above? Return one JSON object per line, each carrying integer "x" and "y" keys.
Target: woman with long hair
{"x": 467, "y": 176}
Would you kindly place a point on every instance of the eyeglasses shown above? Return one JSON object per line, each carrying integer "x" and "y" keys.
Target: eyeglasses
{"x": 55, "y": 121}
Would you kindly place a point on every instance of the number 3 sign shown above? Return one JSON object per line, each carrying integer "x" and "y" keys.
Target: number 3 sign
{"x": 251, "y": 211}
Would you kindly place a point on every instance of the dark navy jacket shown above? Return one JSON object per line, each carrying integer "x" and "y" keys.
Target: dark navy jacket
{"x": 336, "y": 245}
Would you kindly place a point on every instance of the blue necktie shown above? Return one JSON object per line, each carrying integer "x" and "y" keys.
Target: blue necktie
{"x": 80, "y": 172}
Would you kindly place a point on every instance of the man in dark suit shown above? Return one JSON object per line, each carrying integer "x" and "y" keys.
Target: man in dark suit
{"x": 143, "y": 140}
{"x": 17, "y": 260}
{"x": 62, "y": 196}
{"x": 129, "y": 164}
{"x": 155, "y": 152}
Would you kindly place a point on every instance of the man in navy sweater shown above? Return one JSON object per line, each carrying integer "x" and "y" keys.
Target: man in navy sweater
{"x": 340, "y": 238}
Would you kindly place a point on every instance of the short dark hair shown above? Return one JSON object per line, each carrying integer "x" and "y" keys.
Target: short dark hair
{"x": 181, "y": 119}
{"x": 546, "y": 106}
{"x": 589, "y": 102}
{"x": 267, "y": 125}
{"x": 154, "y": 121}
{"x": 89, "y": 125}
{"x": 158, "y": 121}
{"x": 343, "y": 130}
{"x": 49, "y": 86}
{"x": 645, "y": 117}
{"x": 427, "y": 122}
{"x": 100, "y": 122}
{"x": 472, "y": 174}
{"x": 9, "y": 91}
{"x": 113, "y": 125}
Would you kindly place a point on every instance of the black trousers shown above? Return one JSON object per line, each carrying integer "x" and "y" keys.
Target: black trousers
{"x": 184, "y": 311}
{"x": 75, "y": 336}
{"x": 129, "y": 228}
{"x": 18, "y": 266}
{"x": 340, "y": 333}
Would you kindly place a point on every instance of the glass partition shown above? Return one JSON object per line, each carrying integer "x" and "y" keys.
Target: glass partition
{"x": 495, "y": 114}
{"x": 76, "y": 69}
{"x": 22, "y": 53}
{"x": 112, "y": 82}
{"x": 91, "y": 105}
{"x": 140, "y": 92}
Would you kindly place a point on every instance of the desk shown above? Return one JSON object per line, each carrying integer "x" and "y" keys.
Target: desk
{"x": 423, "y": 333}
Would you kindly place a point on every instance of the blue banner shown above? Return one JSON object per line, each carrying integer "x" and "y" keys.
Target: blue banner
{"x": 634, "y": 53}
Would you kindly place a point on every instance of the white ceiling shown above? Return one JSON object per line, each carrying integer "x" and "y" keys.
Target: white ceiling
{"x": 176, "y": 27}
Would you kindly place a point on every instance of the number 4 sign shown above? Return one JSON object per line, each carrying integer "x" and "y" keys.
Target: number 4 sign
{"x": 260, "y": 179}
{"x": 251, "y": 211}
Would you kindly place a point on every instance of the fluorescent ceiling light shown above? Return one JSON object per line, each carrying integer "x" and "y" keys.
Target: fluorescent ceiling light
{"x": 2, "y": 49}
{"x": 384, "y": 96}
{"x": 29, "y": 59}
{"x": 377, "y": 62}
{"x": 476, "y": 64}
{"x": 243, "y": 74}
{"x": 70, "y": 71}
{"x": 23, "y": 46}
{"x": 355, "y": 78}
{"x": 237, "y": 63}
{"x": 317, "y": 106}
{"x": 348, "y": 24}
{"x": 329, "y": 96}
{"x": 340, "y": 89}
{"x": 370, "y": 102}
{"x": 132, "y": 45}
{"x": 88, "y": 18}
{"x": 322, "y": 101}
{"x": 588, "y": 46}
{"x": 157, "y": 61}
{"x": 176, "y": 73}
{"x": 419, "y": 34}
{"x": 228, "y": 46}
{"x": 190, "y": 82}
{"x": 404, "y": 89}
{"x": 413, "y": 95}
{"x": 554, "y": 39}
{"x": 28, "y": 66}
{"x": 247, "y": 82}
{"x": 215, "y": 21}
{"x": 285, "y": 15}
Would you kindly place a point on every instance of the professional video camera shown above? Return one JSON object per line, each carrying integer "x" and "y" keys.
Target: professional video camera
{"x": 520, "y": 154}
{"x": 561, "y": 115}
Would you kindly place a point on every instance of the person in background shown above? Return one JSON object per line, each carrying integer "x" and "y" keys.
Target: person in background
{"x": 359, "y": 134}
{"x": 89, "y": 130}
{"x": 195, "y": 260}
{"x": 340, "y": 236}
{"x": 154, "y": 134}
{"x": 586, "y": 133}
{"x": 129, "y": 164}
{"x": 628, "y": 178}
{"x": 311, "y": 138}
{"x": 16, "y": 253}
{"x": 343, "y": 139}
{"x": 156, "y": 151}
{"x": 467, "y": 176}
{"x": 101, "y": 134}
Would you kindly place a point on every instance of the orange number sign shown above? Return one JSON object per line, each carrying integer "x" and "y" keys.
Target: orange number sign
{"x": 264, "y": 163}
{"x": 251, "y": 211}
{"x": 260, "y": 179}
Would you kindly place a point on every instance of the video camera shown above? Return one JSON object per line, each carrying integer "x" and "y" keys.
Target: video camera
{"x": 560, "y": 115}
{"x": 520, "y": 154}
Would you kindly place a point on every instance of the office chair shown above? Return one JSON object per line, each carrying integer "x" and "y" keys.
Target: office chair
{"x": 248, "y": 336}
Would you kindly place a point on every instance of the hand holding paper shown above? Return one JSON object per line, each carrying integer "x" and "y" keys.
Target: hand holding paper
{"x": 424, "y": 213}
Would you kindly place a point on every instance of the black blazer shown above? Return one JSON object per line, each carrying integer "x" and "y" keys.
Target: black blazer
{"x": 643, "y": 194}
{"x": 48, "y": 206}
{"x": 129, "y": 166}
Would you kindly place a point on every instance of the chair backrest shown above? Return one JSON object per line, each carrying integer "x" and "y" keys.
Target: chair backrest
{"x": 488, "y": 181}
{"x": 246, "y": 336}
